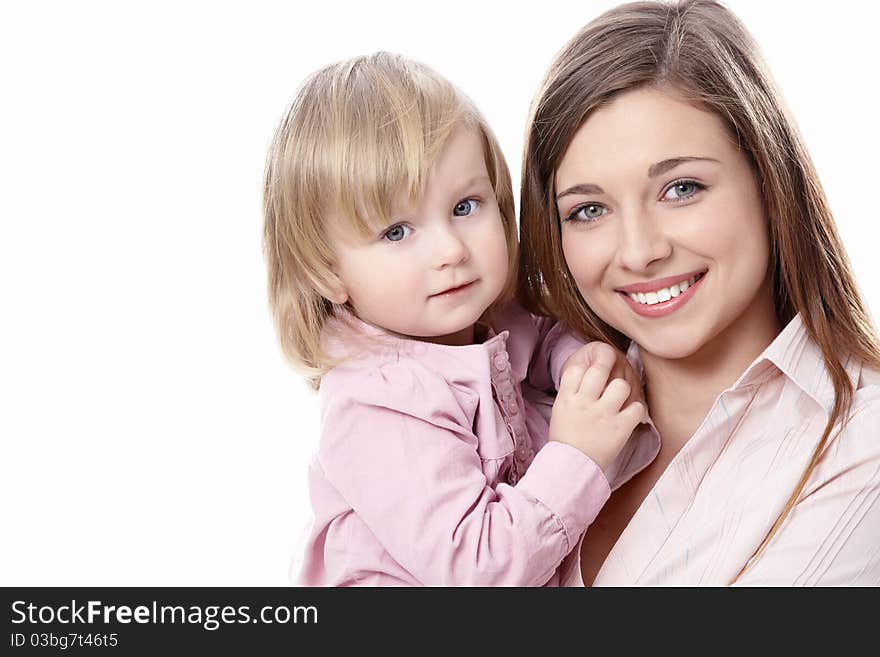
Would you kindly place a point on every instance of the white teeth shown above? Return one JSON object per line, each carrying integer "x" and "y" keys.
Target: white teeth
{"x": 661, "y": 295}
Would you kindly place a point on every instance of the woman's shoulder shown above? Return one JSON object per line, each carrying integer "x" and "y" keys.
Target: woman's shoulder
{"x": 869, "y": 379}
{"x": 851, "y": 456}
{"x": 860, "y": 436}
{"x": 866, "y": 398}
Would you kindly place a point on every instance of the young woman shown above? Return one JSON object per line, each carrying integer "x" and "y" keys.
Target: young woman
{"x": 670, "y": 207}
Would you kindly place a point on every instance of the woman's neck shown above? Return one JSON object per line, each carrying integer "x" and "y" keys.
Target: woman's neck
{"x": 680, "y": 392}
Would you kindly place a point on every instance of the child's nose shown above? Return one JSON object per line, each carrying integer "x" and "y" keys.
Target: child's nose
{"x": 449, "y": 248}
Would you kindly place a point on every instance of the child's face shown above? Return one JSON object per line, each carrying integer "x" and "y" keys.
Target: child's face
{"x": 432, "y": 272}
{"x": 653, "y": 192}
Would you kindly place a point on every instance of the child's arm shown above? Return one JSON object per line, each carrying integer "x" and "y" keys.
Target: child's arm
{"x": 547, "y": 347}
{"x": 538, "y": 346}
{"x": 554, "y": 345}
{"x": 400, "y": 450}
{"x": 544, "y": 347}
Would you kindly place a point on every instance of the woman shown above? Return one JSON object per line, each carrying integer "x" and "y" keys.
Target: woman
{"x": 669, "y": 207}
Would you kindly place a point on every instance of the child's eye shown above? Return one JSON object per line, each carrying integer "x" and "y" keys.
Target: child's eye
{"x": 587, "y": 213}
{"x": 397, "y": 233}
{"x": 682, "y": 190}
{"x": 466, "y": 207}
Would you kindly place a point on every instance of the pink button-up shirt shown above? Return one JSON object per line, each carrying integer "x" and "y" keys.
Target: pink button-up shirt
{"x": 433, "y": 466}
{"x": 716, "y": 501}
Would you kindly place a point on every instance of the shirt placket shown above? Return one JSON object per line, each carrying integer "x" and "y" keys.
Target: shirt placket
{"x": 510, "y": 404}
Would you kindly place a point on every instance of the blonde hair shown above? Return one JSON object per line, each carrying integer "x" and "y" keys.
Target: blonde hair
{"x": 701, "y": 50}
{"x": 357, "y": 134}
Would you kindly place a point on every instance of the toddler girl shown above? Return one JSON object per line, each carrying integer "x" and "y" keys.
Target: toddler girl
{"x": 391, "y": 243}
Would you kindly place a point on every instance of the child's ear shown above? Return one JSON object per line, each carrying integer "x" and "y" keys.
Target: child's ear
{"x": 335, "y": 291}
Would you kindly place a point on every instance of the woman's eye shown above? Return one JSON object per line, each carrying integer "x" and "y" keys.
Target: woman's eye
{"x": 682, "y": 190}
{"x": 587, "y": 213}
{"x": 397, "y": 233}
{"x": 466, "y": 207}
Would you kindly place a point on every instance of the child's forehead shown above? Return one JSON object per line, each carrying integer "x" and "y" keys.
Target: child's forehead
{"x": 441, "y": 191}
{"x": 461, "y": 155}
{"x": 458, "y": 167}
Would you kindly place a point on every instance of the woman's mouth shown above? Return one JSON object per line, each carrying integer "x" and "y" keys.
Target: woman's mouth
{"x": 661, "y": 301}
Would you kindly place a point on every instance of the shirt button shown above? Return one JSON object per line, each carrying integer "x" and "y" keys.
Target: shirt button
{"x": 512, "y": 407}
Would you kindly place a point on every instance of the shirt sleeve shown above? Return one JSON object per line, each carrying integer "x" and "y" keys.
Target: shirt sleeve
{"x": 538, "y": 346}
{"x": 830, "y": 537}
{"x": 399, "y": 449}
{"x": 556, "y": 343}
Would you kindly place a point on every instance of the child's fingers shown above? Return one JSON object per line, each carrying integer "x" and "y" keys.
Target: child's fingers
{"x": 599, "y": 353}
{"x": 570, "y": 381}
{"x": 615, "y": 394}
{"x": 633, "y": 413}
{"x": 594, "y": 379}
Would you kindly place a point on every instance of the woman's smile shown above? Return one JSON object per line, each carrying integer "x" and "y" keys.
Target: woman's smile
{"x": 657, "y": 301}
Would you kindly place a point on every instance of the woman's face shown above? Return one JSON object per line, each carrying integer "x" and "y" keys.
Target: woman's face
{"x": 663, "y": 225}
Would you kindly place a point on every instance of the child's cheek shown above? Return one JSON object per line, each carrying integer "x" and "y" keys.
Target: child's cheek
{"x": 497, "y": 247}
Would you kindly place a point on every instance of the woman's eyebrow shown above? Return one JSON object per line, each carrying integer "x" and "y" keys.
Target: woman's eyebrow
{"x": 585, "y": 188}
{"x": 663, "y": 166}
{"x": 654, "y": 170}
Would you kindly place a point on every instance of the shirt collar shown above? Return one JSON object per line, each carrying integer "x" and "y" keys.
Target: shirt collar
{"x": 799, "y": 358}
{"x": 346, "y": 335}
{"x": 794, "y": 354}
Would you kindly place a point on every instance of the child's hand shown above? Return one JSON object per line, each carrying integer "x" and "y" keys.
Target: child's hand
{"x": 596, "y": 352}
{"x": 591, "y": 413}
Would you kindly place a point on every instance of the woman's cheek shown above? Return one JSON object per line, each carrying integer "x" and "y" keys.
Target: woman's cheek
{"x": 584, "y": 258}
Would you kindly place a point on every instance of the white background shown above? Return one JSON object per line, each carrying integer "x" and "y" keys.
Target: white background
{"x": 151, "y": 432}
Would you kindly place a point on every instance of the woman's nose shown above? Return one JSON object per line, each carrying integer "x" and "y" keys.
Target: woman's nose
{"x": 643, "y": 241}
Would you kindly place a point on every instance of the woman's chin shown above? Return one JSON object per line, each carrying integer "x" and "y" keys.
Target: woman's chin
{"x": 671, "y": 347}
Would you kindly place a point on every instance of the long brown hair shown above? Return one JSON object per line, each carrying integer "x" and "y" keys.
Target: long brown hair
{"x": 702, "y": 51}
